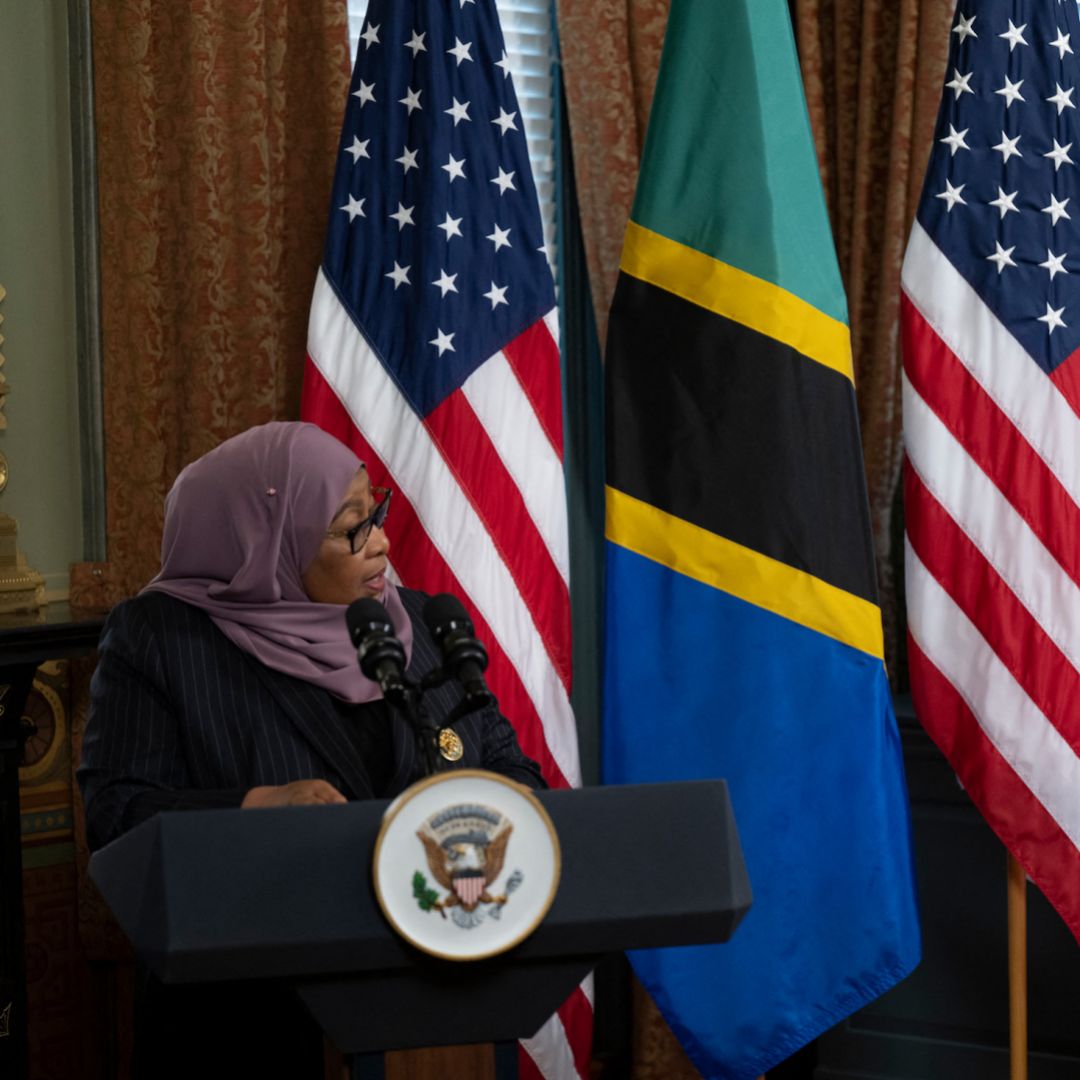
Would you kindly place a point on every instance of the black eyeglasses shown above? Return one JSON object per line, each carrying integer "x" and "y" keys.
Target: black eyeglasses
{"x": 359, "y": 533}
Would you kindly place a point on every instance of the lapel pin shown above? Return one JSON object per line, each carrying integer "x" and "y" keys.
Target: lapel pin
{"x": 450, "y": 745}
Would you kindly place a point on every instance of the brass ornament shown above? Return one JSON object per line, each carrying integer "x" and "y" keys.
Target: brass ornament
{"x": 450, "y": 745}
{"x": 45, "y": 730}
{"x": 22, "y": 588}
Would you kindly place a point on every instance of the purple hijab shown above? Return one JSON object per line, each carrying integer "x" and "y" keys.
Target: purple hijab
{"x": 242, "y": 523}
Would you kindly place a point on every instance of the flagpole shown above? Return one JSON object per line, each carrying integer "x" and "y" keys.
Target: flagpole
{"x": 1018, "y": 1035}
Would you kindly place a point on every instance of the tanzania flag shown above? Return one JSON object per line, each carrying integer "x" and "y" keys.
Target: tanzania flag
{"x": 743, "y": 633}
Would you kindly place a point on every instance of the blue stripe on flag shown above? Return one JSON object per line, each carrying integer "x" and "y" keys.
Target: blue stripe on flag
{"x": 700, "y": 684}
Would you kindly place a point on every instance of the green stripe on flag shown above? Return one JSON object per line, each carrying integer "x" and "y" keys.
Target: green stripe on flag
{"x": 728, "y": 93}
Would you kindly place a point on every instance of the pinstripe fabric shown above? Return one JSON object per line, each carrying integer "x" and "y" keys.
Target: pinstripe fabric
{"x": 182, "y": 719}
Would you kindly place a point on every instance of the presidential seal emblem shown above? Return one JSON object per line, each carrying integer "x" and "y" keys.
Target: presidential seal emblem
{"x": 466, "y": 850}
{"x": 466, "y": 864}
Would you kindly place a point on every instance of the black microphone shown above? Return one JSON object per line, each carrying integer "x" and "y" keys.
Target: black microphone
{"x": 381, "y": 655}
{"x": 464, "y": 657}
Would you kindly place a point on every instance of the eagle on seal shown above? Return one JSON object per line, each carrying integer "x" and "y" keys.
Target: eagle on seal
{"x": 467, "y": 866}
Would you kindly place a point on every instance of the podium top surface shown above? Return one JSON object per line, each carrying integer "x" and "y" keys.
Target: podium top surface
{"x": 225, "y": 894}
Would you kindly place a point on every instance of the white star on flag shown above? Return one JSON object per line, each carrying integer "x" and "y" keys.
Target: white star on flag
{"x": 1010, "y": 91}
{"x": 952, "y": 196}
{"x": 504, "y": 181}
{"x": 1053, "y": 318}
{"x": 358, "y": 149}
{"x": 445, "y": 283}
{"x": 955, "y": 140}
{"x": 1002, "y": 257}
{"x": 963, "y": 28}
{"x": 500, "y": 237}
{"x": 444, "y": 342}
{"x": 407, "y": 160}
{"x": 497, "y": 295}
{"x": 354, "y": 208}
{"x": 504, "y": 63}
{"x": 370, "y": 36}
{"x": 1056, "y": 210}
{"x": 1055, "y": 264}
{"x": 403, "y": 216}
{"x": 416, "y": 43}
{"x": 399, "y": 275}
{"x": 505, "y": 121}
{"x": 455, "y": 168}
{"x": 459, "y": 111}
{"x": 960, "y": 84}
{"x": 1007, "y": 147}
{"x": 1014, "y": 35}
{"x": 411, "y": 100}
{"x": 1005, "y": 202}
{"x": 366, "y": 93}
{"x": 1060, "y": 155}
{"x": 1061, "y": 43}
{"x": 1063, "y": 98}
{"x": 451, "y": 226}
{"x": 460, "y": 51}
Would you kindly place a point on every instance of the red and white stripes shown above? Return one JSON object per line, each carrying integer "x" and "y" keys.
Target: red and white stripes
{"x": 479, "y": 511}
{"x": 992, "y": 504}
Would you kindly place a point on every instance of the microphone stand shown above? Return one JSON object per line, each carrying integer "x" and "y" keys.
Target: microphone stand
{"x": 408, "y": 702}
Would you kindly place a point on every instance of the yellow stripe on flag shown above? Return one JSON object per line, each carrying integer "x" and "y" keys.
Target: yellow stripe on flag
{"x": 697, "y": 553}
{"x": 736, "y": 295}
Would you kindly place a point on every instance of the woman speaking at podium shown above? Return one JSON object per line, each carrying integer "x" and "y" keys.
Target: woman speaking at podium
{"x": 231, "y": 681}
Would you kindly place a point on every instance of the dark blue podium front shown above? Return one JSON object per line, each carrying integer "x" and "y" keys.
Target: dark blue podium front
{"x": 207, "y": 896}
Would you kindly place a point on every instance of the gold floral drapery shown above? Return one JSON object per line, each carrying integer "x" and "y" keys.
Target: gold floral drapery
{"x": 610, "y": 55}
{"x": 217, "y": 124}
{"x": 873, "y": 72}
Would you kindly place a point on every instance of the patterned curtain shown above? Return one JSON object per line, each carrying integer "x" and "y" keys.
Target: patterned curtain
{"x": 873, "y": 71}
{"x": 610, "y": 55}
{"x": 217, "y": 126}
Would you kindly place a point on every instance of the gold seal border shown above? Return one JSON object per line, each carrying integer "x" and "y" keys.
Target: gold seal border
{"x": 405, "y": 798}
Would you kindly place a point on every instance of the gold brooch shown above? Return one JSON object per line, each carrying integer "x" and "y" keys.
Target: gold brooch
{"x": 450, "y": 745}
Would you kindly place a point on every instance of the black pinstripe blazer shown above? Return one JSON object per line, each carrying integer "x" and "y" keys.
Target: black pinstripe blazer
{"x": 180, "y": 718}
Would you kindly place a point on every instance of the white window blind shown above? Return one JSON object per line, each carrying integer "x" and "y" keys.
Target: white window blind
{"x": 526, "y": 26}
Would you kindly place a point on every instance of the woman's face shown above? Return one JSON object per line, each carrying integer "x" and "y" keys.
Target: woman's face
{"x": 336, "y": 575}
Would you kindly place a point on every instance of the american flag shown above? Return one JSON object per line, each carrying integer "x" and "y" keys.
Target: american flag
{"x": 433, "y": 352}
{"x": 991, "y": 327}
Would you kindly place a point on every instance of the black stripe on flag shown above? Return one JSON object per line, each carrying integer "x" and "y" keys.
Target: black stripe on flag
{"x": 737, "y": 433}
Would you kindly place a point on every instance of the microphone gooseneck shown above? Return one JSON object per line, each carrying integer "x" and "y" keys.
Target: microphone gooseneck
{"x": 464, "y": 657}
{"x": 382, "y": 659}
